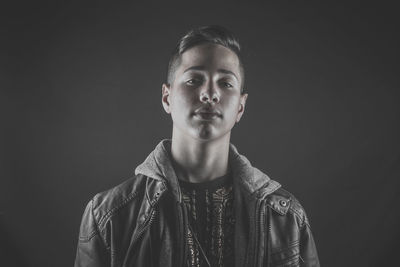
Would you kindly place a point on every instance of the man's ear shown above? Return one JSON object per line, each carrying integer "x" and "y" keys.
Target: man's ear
{"x": 242, "y": 105}
{"x": 165, "y": 90}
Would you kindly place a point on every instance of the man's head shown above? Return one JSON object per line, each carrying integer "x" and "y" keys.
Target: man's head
{"x": 204, "y": 90}
{"x": 207, "y": 34}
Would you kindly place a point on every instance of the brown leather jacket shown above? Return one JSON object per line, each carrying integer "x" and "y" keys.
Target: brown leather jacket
{"x": 143, "y": 221}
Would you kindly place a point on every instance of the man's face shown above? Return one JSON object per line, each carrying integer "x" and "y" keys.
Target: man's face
{"x": 204, "y": 98}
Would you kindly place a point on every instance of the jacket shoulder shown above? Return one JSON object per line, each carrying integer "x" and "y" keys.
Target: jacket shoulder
{"x": 125, "y": 199}
{"x": 105, "y": 204}
{"x": 284, "y": 203}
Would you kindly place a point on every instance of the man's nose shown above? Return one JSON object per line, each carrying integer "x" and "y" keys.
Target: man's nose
{"x": 209, "y": 94}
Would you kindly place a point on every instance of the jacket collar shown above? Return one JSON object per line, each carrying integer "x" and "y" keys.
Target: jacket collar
{"x": 251, "y": 180}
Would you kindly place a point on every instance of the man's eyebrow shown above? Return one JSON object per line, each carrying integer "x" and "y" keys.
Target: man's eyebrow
{"x": 227, "y": 72}
{"x": 202, "y": 68}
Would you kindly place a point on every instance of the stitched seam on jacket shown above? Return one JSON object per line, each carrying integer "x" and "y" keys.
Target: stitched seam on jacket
{"x": 89, "y": 237}
{"x": 291, "y": 260}
{"x": 290, "y": 246}
{"x": 303, "y": 220}
{"x": 111, "y": 211}
{"x": 95, "y": 232}
{"x": 275, "y": 209}
{"x": 271, "y": 186}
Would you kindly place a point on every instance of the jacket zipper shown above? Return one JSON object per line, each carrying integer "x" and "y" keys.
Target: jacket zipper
{"x": 260, "y": 219}
{"x": 183, "y": 232}
{"x": 138, "y": 234}
{"x": 250, "y": 253}
{"x": 257, "y": 230}
{"x": 261, "y": 222}
{"x": 268, "y": 237}
{"x": 146, "y": 225}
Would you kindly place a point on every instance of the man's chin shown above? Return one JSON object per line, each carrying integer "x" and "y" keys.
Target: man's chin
{"x": 209, "y": 135}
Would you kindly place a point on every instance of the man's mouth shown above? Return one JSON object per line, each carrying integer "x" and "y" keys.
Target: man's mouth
{"x": 207, "y": 114}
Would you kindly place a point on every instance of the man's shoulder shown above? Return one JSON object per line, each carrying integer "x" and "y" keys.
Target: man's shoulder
{"x": 285, "y": 203}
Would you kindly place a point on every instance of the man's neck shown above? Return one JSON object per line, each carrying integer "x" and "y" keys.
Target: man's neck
{"x": 199, "y": 161}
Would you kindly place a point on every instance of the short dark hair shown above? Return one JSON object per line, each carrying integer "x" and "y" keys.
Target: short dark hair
{"x": 207, "y": 34}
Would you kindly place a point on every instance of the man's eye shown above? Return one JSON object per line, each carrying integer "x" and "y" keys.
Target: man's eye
{"x": 226, "y": 85}
{"x": 193, "y": 81}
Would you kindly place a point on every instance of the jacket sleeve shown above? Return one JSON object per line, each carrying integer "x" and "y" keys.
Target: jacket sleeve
{"x": 91, "y": 250}
{"x": 308, "y": 250}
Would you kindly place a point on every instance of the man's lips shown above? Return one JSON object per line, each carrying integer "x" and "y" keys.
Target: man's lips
{"x": 207, "y": 113}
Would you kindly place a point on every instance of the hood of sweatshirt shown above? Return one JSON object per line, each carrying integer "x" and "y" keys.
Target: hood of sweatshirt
{"x": 158, "y": 165}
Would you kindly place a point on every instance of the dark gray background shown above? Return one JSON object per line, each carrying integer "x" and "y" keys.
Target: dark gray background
{"x": 81, "y": 108}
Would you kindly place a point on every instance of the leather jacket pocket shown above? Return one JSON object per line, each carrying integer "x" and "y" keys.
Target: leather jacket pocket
{"x": 286, "y": 256}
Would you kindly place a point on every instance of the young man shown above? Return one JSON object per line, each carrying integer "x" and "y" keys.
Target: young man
{"x": 195, "y": 201}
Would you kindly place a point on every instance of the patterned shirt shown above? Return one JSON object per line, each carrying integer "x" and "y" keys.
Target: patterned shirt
{"x": 211, "y": 219}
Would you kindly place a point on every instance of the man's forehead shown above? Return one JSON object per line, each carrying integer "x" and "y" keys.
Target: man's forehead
{"x": 203, "y": 68}
{"x": 205, "y": 55}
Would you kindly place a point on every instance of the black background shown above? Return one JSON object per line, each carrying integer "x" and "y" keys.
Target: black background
{"x": 81, "y": 108}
